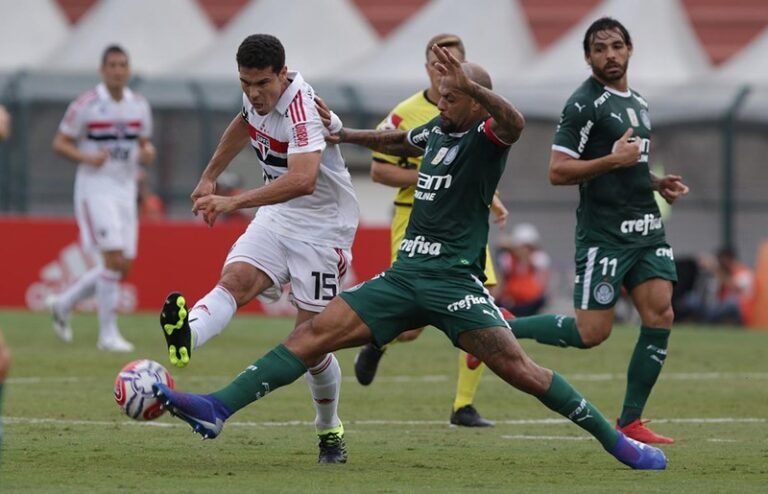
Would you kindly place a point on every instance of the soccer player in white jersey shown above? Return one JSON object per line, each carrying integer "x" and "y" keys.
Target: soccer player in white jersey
{"x": 302, "y": 232}
{"x": 106, "y": 131}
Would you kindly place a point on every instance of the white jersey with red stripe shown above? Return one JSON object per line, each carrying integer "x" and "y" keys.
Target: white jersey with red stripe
{"x": 99, "y": 122}
{"x": 329, "y": 215}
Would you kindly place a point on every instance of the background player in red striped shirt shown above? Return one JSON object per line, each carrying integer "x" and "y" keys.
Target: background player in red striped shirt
{"x": 106, "y": 132}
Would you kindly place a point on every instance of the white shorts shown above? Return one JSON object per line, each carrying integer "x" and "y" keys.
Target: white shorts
{"x": 108, "y": 223}
{"x": 315, "y": 272}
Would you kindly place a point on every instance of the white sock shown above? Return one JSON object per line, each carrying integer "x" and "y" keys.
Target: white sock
{"x": 210, "y": 315}
{"x": 84, "y": 287}
{"x": 325, "y": 384}
{"x": 107, "y": 297}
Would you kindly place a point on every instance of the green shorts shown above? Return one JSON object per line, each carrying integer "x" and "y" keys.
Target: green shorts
{"x": 396, "y": 301}
{"x": 601, "y": 272}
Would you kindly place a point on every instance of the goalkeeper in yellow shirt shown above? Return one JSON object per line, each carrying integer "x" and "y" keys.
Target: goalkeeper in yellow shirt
{"x": 402, "y": 173}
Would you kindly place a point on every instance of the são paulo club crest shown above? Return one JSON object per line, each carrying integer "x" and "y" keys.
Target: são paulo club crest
{"x": 262, "y": 146}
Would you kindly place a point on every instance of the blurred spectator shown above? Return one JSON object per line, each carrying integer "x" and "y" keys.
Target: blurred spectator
{"x": 5, "y": 123}
{"x": 525, "y": 269}
{"x": 724, "y": 292}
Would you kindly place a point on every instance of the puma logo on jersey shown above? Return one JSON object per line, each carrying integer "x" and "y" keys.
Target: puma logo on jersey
{"x": 490, "y": 313}
{"x": 617, "y": 116}
{"x": 578, "y": 106}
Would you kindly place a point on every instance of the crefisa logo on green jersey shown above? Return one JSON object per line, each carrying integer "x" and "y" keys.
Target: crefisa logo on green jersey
{"x": 419, "y": 245}
{"x": 643, "y": 225}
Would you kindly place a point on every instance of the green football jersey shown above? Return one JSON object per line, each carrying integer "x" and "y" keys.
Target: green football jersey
{"x": 448, "y": 227}
{"x": 617, "y": 208}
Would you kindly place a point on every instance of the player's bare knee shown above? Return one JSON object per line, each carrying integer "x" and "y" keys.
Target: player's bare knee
{"x": 238, "y": 286}
{"x": 592, "y": 336}
{"x": 409, "y": 335}
{"x": 662, "y": 318}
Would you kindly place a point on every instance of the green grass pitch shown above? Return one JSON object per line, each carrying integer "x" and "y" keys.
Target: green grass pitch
{"x": 64, "y": 433}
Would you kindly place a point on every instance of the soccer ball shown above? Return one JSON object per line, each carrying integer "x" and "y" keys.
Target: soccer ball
{"x": 133, "y": 389}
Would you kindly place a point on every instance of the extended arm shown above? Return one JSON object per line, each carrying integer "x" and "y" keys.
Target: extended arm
{"x": 234, "y": 139}
{"x": 300, "y": 180}
{"x": 385, "y": 141}
{"x": 508, "y": 122}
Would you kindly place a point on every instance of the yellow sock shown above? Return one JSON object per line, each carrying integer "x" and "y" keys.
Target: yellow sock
{"x": 469, "y": 380}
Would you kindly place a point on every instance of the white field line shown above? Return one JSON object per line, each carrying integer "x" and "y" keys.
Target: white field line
{"x": 672, "y": 376}
{"x": 352, "y": 423}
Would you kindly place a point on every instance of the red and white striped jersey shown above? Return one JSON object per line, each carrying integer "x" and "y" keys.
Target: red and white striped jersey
{"x": 329, "y": 215}
{"x": 99, "y": 122}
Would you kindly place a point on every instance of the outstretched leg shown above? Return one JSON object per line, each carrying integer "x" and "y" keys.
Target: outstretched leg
{"x": 335, "y": 328}
{"x": 499, "y": 349}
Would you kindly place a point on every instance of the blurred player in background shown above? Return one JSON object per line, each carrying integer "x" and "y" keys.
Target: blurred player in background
{"x": 302, "y": 232}
{"x": 5, "y": 353}
{"x": 436, "y": 277}
{"x": 5, "y": 123}
{"x": 602, "y": 145}
{"x": 403, "y": 172}
{"x": 106, "y": 132}
{"x": 5, "y": 364}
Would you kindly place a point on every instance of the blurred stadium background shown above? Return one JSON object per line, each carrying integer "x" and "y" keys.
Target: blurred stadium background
{"x": 700, "y": 63}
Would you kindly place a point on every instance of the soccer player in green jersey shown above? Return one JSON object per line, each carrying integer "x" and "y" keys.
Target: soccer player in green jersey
{"x": 438, "y": 276}
{"x": 602, "y": 145}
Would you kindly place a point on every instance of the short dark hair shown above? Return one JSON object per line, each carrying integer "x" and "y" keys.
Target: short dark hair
{"x": 259, "y": 51}
{"x": 605, "y": 24}
{"x": 109, "y": 50}
{"x": 446, "y": 40}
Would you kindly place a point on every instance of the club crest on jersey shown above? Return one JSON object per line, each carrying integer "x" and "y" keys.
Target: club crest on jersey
{"x": 121, "y": 129}
{"x": 603, "y": 293}
{"x": 262, "y": 146}
{"x": 633, "y": 117}
{"x": 451, "y": 155}
{"x": 439, "y": 156}
{"x": 645, "y": 118}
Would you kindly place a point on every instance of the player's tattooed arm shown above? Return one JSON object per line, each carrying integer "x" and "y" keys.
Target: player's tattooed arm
{"x": 508, "y": 122}
{"x": 394, "y": 142}
{"x": 471, "y": 79}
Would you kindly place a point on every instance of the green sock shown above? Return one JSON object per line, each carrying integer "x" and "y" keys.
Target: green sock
{"x": 563, "y": 398}
{"x": 275, "y": 369}
{"x": 550, "y": 329}
{"x": 644, "y": 368}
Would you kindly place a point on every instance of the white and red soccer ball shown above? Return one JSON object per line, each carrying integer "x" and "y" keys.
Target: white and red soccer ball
{"x": 133, "y": 389}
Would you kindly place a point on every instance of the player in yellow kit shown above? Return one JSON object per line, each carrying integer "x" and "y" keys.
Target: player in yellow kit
{"x": 402, "y": 172}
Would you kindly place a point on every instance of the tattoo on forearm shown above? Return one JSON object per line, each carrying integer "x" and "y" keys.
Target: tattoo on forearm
{"x": 386, "y": 141}
{"x": 506, "y": 115}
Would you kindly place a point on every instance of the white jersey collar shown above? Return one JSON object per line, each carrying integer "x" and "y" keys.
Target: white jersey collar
{"x": 103, "y": 92}
{"x": 623, "y": 94}
{"x": 290, "y": 92}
